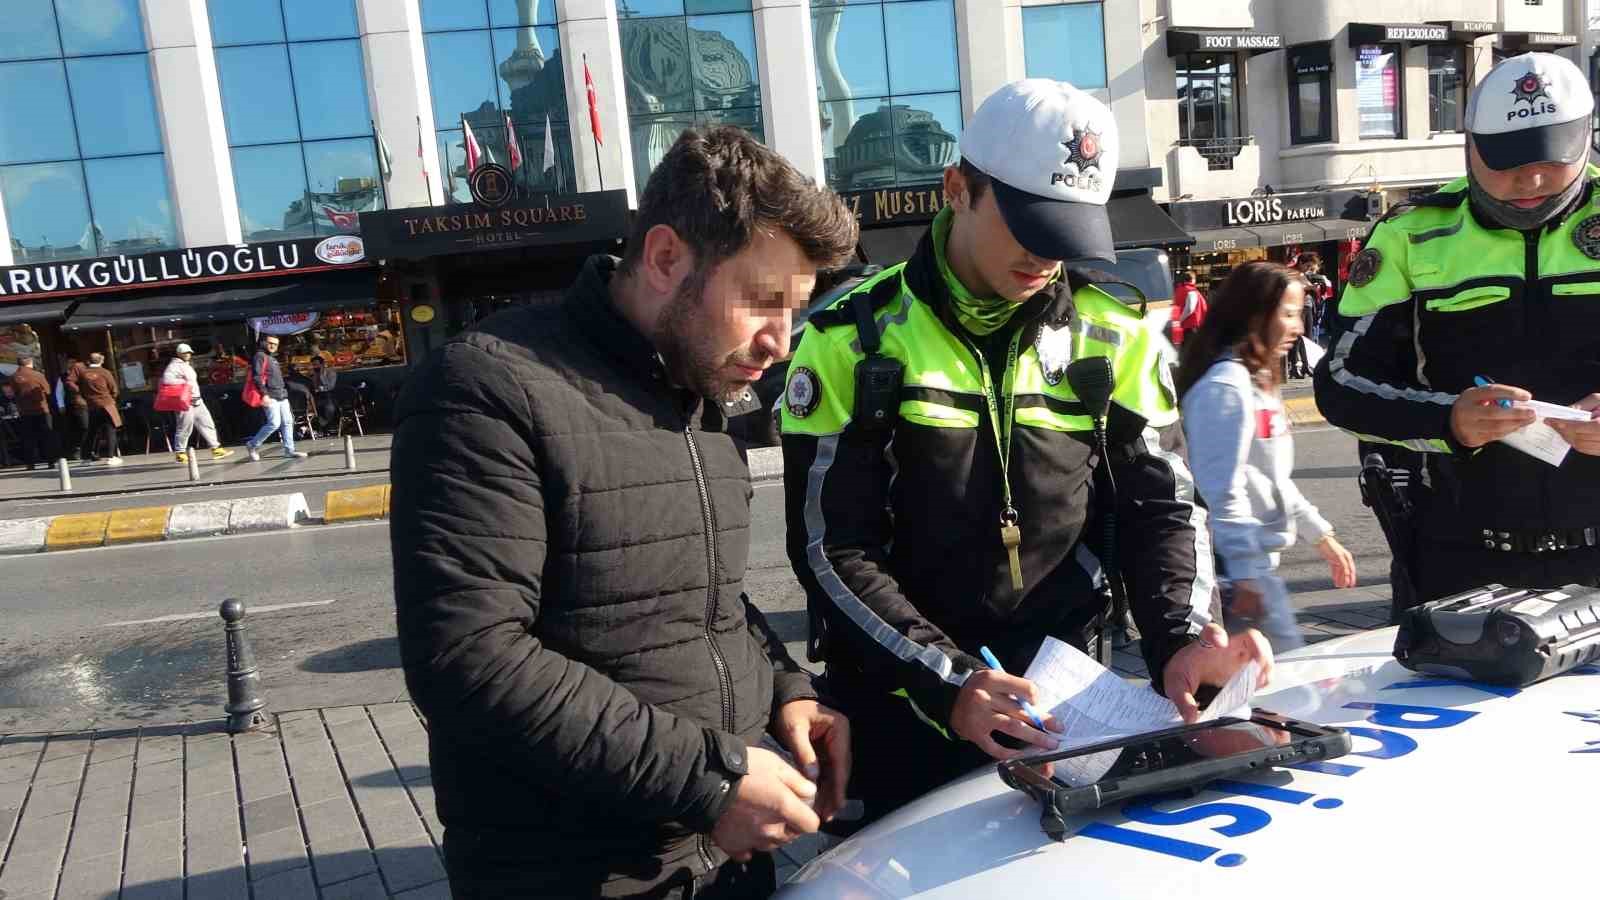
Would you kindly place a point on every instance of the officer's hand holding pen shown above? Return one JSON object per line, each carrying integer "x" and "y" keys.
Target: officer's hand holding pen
{"x": 986, "y": 705}
{"x": 1479, "y": 417}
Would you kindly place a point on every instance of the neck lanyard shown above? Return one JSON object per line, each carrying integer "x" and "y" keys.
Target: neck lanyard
{"x": 1010, "y": 531}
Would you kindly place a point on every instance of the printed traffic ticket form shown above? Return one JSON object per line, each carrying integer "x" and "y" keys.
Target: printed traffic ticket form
{"x": 1096, "y": 704}
{"x": 1539, "y": 440}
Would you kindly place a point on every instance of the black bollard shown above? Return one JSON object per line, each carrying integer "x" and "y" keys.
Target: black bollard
{"x": 244, "y": 681}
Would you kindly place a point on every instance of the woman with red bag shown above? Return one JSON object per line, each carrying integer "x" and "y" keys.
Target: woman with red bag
{"x": 179, "y": 393}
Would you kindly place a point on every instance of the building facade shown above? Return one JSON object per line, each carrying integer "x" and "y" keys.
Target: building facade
{"x": 370, "y": 176}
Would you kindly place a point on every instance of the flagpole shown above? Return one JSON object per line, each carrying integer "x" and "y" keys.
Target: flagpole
{"x": 593, "y": 135}
{"x": 383, "y": 182}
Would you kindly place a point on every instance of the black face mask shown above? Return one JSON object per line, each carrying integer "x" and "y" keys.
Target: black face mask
{"x": 1509, "y": 215}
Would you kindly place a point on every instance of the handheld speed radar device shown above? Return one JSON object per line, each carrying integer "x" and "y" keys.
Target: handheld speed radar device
{"x": 1087, "y": 778}
{"x": 1501, "y": 635}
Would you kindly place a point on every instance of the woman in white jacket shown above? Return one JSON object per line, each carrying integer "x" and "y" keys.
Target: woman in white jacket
{"x": 1239, "y": 443}
{"x": 179, "y": 371}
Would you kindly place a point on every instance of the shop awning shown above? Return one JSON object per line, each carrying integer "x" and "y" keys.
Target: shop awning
{"x": 1521, "y": 41}
{"x": 1208, "y": 40}
{"x": 228, "y": 301}
{"x": 1464, "y": 30}
{"x": 1417, "y": 33}
{"x": 1289, "y": 233}
{"x": 1222, "y": 240}
{"x": 1136, "y": 221}
{"x": 887, "y": 246}
{"x": 34, "y": 313}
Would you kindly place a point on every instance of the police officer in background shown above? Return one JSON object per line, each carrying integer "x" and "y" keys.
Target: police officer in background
{"x": 960, "y": 510}
{"x": 1497, "y": 277}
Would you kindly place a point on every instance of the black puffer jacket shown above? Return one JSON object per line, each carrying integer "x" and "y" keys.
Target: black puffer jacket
{"x": 588, "y": 665}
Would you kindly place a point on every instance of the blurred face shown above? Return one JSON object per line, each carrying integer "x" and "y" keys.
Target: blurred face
{"x": 982, "y": 252}
{"x": 1525, "y": 186}
{"x": 272, "y": 345}
{"x": 719, "y": 333}
{"x": 1285, "y": 326}
{"x": 185, "y": 356}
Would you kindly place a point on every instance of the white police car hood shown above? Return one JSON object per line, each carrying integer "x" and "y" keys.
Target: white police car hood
{"x": 1452, "y": 789}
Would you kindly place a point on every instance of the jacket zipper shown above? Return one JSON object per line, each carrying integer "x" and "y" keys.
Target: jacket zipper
{"x": 724, "y": 687}
{"x": 1533, "y": 294}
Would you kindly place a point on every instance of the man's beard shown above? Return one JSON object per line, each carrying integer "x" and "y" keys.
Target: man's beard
{"x": 685, "y": 339}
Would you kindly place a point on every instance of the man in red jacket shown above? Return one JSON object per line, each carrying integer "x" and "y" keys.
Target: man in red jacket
{"x": 1188, "y": 307}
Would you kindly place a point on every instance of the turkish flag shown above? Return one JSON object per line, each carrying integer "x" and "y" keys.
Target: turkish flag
{"x": 594, "y": 107}
{"x": 474, "y": 152}
{"x": 341, "y": 218}
{"x": 513, "y": 150}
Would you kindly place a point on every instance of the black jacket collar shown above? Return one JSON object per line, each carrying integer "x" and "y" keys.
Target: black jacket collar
{"x": 590, "y": 306}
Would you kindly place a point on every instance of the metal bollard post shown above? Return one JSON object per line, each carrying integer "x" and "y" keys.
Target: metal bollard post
{"x": 349, "y": 453}
{"x": 65, "y": 471}
{"x": 245, "y": 704}
{"x": 194, "y": 466}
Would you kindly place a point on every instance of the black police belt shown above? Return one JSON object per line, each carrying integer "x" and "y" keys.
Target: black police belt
{"x": 1529, "y": 541}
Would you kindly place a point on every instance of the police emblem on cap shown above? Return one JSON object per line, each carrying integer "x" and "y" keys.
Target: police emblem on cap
{"x": 1529, "y": 88}
{"x": 1586, "y": 237}
{"x": 1083, "y": 150}
{"x": 1054, "y": 346}
{"x": 1365, "y": 266}
{"x": 803, "y": 394}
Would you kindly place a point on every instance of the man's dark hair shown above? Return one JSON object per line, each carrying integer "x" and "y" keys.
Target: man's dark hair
{"x": 977, "y": 180}
{"x": 716, "y": 186}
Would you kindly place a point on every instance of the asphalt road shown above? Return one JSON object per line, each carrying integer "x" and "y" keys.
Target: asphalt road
{"x": 79, "y": 646}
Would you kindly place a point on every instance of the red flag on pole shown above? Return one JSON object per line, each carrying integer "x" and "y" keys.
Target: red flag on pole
{"x": 474, "y": 152}
{"x": 513, "y": 150}
{"x": 594, "y": 107}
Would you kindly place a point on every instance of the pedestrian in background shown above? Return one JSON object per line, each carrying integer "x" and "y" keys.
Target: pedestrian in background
{"x": 181, "y": 371}
{"x": 1318, "y": 294}
{"x": 73, "y": 407}
{"x": 268, "y": 376}
{"x": 324, "y": 378}
{"x": 1241, "y": 449}
{"x": 1188, "y": 308}
{"x": 31, "y": 390}
{"x": 99, "y": 391}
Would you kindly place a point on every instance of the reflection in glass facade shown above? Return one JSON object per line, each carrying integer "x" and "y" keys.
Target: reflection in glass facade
{"x": 686, "y": 63}
{"x": 1066, "y": 42}
{"x": 488, "y": 59}
{"x": 294, "y": 101}
{"x": 82, "y": 168}
{"x": 890, "y": 106}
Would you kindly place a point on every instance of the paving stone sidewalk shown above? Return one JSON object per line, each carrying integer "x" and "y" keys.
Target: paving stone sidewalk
{"x": 331, "y": 803}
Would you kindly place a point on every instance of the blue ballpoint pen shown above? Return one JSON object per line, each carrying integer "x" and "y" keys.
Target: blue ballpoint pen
{"x": 1027, "y": 707}
{"x": 1481, "y": 381}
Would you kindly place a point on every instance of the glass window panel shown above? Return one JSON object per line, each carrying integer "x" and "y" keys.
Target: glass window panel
{"x": 47, "y": 211}
{"x": 922, "y": 52}
{"x": 461, "y": 74}
{"x": 1066, "y": 43}
{"x": 858, "y": 145}
{"x": 532, "y": 83}
{"x": 652, "y": 137}
{"x": 533, "y": 174}
{"x": 1378, "y": 90}
{"x": 453, "y": 159}
{"x": 1310, "y": 121}
{"x": 637, "y": 8}
{"x": 748, "y": 118}
{"x": 255, "y": 106}
{"x": 927, "y": 132}
{"x": 311, "y": 20}
{"x": 100, "y": 26}
{"x": 245, "y": 22}
{"x": 30, "y": 31}
{"x": 444, "y": 14}
{"x": 115, "y": 105}
{"x": 851, "y": 60}
{"x": 331, "y": 88}
{"x": 703, "y": 7}
{"x": 35, "y": 115}
{"x": 343, "y": 178}
{"x": 655, "y": 65}
{"x": 723, "y": 54}
{"x": 522, "y": 12}
{"x": 132, "y": 207}
{"x": 1446, "y": 67}
{"x": 271, "y": 183}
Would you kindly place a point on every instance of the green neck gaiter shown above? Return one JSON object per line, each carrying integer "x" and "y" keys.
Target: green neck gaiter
{"x": 979, "y": 316}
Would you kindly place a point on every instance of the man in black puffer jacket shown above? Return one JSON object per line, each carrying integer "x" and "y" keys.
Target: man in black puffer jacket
{"x": 570, "y": 530}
